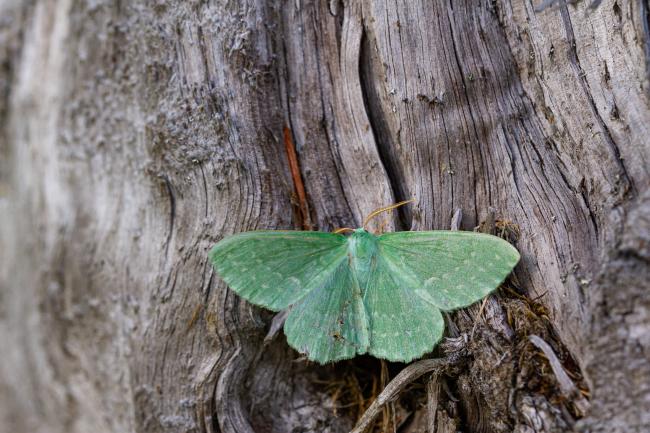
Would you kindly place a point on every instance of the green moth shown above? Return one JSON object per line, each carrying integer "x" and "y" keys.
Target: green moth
{"x": 363, "y": 293}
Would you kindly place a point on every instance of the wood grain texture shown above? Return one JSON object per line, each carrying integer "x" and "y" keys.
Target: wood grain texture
{"x": 134, "y": 135}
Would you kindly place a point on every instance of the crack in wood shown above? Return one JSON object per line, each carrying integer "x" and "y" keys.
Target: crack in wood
{"x": 172, "y": 212}
{"x": 361, "y": 162}
{"x": 393, "y": 174}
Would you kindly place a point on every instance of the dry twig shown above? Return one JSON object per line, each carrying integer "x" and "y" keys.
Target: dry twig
{"x": 568, "y": 389}
{"x": 392, "y": 390}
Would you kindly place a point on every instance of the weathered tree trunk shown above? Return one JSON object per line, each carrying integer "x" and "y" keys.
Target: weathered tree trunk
{"x": 134, "y": 135}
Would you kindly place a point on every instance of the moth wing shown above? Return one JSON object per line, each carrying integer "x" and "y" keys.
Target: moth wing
{"x": 451, "y": 269}
{"x": 275, "y": 269}
{"x": 403, "y": 326}
{"x": 329, "y": 323}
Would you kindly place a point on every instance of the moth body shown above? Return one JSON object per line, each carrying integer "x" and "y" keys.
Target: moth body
{"x": 362, "y": 251}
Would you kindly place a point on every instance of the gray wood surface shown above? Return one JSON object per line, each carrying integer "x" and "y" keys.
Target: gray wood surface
{"x": 134, "y": 135}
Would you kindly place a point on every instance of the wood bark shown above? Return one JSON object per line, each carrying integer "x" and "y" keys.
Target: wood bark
{"x": 135, "y": 135}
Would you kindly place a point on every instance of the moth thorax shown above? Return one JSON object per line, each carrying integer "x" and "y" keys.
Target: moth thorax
{"x": 362, "y": 250}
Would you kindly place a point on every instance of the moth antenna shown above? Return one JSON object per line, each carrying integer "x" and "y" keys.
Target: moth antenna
{"x": 342, "y": 229}
{"x": 376, "y": 212}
